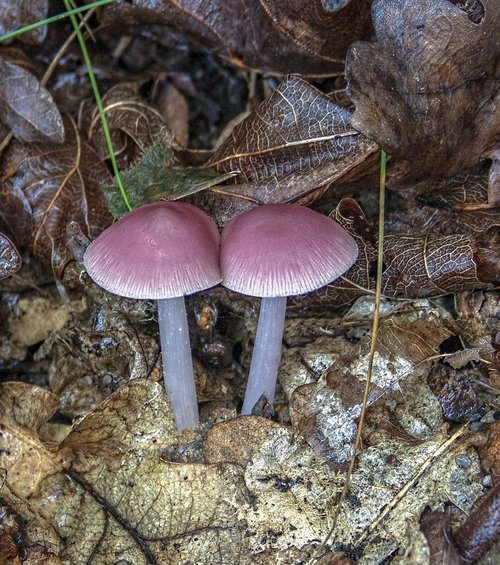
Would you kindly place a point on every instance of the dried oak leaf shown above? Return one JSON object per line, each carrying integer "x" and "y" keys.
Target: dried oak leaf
{"x": 427, "y": 88}
{"x": 268, "y": 35}
{"x": 45, "y": 186}
{"x": 15, "y": 14}
{"x": 10, "y": 260}
{"x": 27, "y": 107}
{"x": 291, "y": 148}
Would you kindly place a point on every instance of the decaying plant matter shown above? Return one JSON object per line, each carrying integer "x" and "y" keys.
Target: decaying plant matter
{"x": 230, "y": 106}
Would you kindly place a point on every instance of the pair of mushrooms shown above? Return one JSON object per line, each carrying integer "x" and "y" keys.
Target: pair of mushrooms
{"x": 167, "y": 250}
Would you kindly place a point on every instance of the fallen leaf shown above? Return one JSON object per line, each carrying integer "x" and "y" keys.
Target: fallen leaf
{"x": 157, "y": 175}
{"x": 27, "y": 106}
{"x": 267, "y": 35}
{"x": 134, "y": 125}
{"x": 326, "y": 410}
{"x": 417, "y": 265}
{"x": 10, "y": 260}
{"x": 19, "y": 13}
{"x": 122, "y": 499}
{"x": 291, "y": 148}
{"x": 44, "y": 187}
{"x": 426, "y": 89}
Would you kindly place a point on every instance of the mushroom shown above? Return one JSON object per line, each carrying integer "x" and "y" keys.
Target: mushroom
{"x": 275, "y": 251}
{"x": 162, "y": 251}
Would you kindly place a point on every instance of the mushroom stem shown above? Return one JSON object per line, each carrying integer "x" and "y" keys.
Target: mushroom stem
{"x": 266, "y": 353}
{"x": 177, "y": 361}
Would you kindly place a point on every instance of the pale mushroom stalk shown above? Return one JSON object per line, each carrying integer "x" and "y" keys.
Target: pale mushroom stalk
{"x": 162, "y": 251}
{"x": 266, "y": 354}
{"x": 177, "y": 361}
{"x": 274, "y": 251}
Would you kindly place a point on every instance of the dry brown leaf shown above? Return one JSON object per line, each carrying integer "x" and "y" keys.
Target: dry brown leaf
{"x": 291, "y": 148}
{"x": 27, "y": 106}
{"x": 45, "y": 186}
{"x": 268, "y": 35}
{"x": 326, "y": 411}
{"x": 427, "y": 89}
{"x": 134, "y": 124}
{"x": 106, "y": 492}
{"x": 418, "y": 265}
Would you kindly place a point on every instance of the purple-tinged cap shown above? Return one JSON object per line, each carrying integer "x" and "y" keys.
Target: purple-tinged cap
{"x": 160, "y": 250}
{"x": 284, "y": 250}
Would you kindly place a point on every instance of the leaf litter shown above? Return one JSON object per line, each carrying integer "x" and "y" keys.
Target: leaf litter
{"x": 92, "y": 468}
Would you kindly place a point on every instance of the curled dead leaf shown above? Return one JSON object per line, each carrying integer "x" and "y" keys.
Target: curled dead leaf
{"x": 134, "y": 124}
{"x": 269, "y": 35}
{"x": 427, "y": 88}
{"x": 45, "y": 186}
{"x": 291, "y": 148}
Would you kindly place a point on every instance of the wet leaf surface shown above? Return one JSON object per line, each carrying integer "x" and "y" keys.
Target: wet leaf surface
{"x": 432, "y": 69}
{"x": 27, "y": 107}
{"x": 267, "y": 35}
{"x": 44, "y": 187}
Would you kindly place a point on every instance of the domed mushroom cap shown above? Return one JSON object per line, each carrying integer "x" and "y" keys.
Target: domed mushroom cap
{"x": 284, "y": 250}
{"x": 160, "y": 250}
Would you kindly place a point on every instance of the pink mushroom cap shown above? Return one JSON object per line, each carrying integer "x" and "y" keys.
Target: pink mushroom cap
{"x": 284, "y": 250}
{"x": 161, "y": 250}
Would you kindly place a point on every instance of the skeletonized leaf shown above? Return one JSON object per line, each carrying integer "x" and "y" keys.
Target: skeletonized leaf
{"x": 155, "y": 176}
{"x": 45, "y": 186}
{"x": 10, "y": 260}
{"x": 269, "y": 35}
{"x": 27, "y": 107}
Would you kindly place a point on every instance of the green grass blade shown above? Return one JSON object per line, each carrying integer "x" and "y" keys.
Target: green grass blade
{"x": 98, "y": 100}
{"x": 55, "y": 18}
